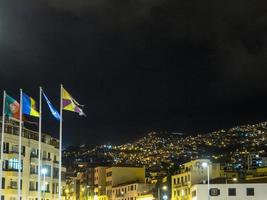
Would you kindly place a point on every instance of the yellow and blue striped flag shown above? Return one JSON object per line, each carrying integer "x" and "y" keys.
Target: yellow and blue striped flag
{"x": 29, "y": 106}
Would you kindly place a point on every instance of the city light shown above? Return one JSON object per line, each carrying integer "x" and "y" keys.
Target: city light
{"x": 43, "y": 171}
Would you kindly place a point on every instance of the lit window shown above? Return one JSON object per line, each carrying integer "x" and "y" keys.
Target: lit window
{"x": 13, "y": 163}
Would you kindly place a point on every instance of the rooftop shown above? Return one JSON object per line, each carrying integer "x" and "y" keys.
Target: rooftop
{"x": 12, "y": 127}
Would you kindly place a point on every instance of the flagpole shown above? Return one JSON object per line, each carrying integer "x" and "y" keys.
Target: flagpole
{"x": 39, "y": 143}
{"x": 60, "y": 144}
{"x": 2, "y": 141}
{"x": 20, "y": 135}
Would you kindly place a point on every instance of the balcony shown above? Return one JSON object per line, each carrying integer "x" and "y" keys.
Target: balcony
{"x": 33, "y": 155}
{"x": 16, "y": 152}
{"x": 33, "y": 172}
{"x": 12, "y": 187}
{"x": 55, "y": 161}
{"x": 119, "y": 195}
{"x": 177, "y": 185}
{"x": 46, "y": 159}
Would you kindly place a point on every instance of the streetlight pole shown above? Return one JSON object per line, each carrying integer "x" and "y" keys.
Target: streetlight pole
{"x": 226, "y": 185}
{"x": 206, "y": 165}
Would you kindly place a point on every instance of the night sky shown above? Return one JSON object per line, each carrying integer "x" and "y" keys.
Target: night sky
{"x": 189, "y": 66}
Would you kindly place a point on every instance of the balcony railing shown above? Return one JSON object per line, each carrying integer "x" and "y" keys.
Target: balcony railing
{"x": 33, "y": 172}
{"x": 16, "y": 152}
{"x": 46, "y": 159}
{"x": 33, "y": 155}
{"x": 56, "y": 162}
{"x": 13, "y": 187}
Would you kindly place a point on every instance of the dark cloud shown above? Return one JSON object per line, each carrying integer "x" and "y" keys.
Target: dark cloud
{"x": 187, "y": 66}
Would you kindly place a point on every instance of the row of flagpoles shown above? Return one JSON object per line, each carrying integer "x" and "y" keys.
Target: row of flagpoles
{"x": 27, "y": 106}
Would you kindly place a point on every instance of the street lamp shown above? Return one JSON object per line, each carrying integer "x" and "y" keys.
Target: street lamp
{"x": 206, "y": 165}
{"x": 44, "y": 172}
{"x": 165, "y": 197}
{"x": 165, "y": 188}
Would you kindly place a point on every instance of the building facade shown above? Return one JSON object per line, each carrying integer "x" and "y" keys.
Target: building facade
{"x": 189, "y": 174}
{"x": 130, "y": 191}
{"x": 120, "y": 175}
{"x": 233, "y": 191}
{"x": 29, "y": 184}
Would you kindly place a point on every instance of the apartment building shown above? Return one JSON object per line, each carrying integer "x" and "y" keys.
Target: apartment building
{"x": 29, "y": 183}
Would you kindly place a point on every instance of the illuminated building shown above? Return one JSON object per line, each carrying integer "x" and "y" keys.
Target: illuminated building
{"x": 130, "y": 191}
{"x": 121, "y": 175}
{"x": 29, "y": 183}
{"x": 220, "y": 190}
{"x": 191, "y": 173}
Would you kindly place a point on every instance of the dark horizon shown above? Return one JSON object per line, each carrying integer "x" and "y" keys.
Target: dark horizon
{"x": 138, "y": 66}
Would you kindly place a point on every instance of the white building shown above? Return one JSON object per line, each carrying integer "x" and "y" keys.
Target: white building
{"x": 192, "y": 173}
{"x": 233, "y": 191}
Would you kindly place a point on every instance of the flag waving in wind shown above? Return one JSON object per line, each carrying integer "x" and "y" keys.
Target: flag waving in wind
{"x": 12, "y": 107}
{"x": 70, "y": 104}
{"x": 29, "y": 106}
{"x": 51, "y": 107}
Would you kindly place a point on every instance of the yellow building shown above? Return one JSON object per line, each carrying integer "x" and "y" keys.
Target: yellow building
{"x": 131, "y": 191}
{"x": 29, "y": 183}
{"x": 120, "y": 175}
{"x": 192, "y": 173}
{"x": 100, "y": 183}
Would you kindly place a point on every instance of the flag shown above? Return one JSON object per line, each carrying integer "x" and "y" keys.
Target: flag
{"x": 29, "y": 106}
{"x": 70, "y": 104}
{"x": 12, "y": 107}
{"x": 51, "y": 107}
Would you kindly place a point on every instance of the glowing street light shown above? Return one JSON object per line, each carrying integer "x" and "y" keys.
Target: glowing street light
{"x": 165, "y": 188}
{"x": 44, "y": 172}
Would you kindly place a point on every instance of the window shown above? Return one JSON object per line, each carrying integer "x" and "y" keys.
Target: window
{"x": 13, "y": 163}
{"x": 32, "y": 186}
{"x": 3, "y": 183}
{"x": 250, "y": 191}
{"x": 231, "y": 192}
{"x": 214, "y": 192}
{"x": 194, "y": 193}
{"x": 6, "y": 147}
{"x": 174, "y": 181}
{"x": 36, "y": 185}
{"x": 13, "y": 184}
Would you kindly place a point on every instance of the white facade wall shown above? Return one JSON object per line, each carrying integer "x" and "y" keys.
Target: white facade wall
{"x": 260, "y": 191}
